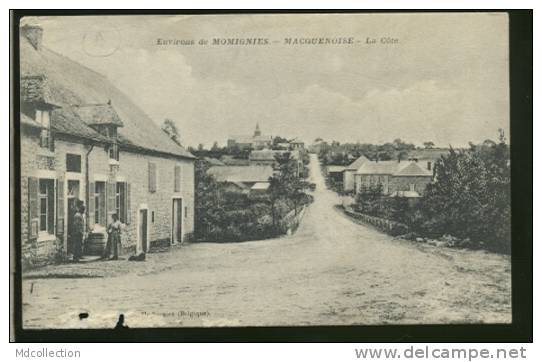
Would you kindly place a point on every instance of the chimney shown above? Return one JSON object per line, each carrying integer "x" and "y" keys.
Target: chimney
{"x": 34, "y": 34}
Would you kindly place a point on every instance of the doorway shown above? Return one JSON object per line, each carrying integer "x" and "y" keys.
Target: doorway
{"x": 72, "y": 203}
{"x": 177, "y": 221}
{"x": 143, "y": 230}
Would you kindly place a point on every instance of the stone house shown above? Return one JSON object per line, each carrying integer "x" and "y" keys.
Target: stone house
{"x": 397, "y": 178}
{"x": 244, "y": 179}
{"x": 350, "y": 170}
{"x": 268, "y": 157}
{"x": 427, "y": 157}
{"x": 83, "y": 140}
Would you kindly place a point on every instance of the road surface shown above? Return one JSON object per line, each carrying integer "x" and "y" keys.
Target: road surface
{"x": 332, "y": 271}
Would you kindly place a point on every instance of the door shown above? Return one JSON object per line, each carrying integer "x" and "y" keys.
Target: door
{"x": 72, "y": 201}
{"x": 143, "y": 242}
{"x": 177, "y": 221}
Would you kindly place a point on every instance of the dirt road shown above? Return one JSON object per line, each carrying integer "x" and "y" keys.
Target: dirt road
{"x": 331, "y": 272}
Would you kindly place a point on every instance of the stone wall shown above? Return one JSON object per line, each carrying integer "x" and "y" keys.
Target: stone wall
{"x": 403, "y": 183}
{"x": 132, "y": 168}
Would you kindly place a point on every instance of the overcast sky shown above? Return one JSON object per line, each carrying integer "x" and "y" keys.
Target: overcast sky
{"x": 446, "y": 80}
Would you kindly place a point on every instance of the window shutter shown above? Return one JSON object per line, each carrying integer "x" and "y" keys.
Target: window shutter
{"x": 111, "y": 200}
{"x": 128, "y": 204}
{"x": 60, "y": 208}
{"x": 91, "y": 205}
{"x": 177, "y": 186}
{"x": 33, "y": 208}
{"x": 152, "y": 177}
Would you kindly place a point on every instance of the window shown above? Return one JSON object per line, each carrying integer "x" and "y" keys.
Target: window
{"x": 73, "y": 163}
{"x": 120, "y": 201}
{"x": 152, "y": 217}
{"x": 177, "y": 179}
{"x": 46, "y": 141}
{"x": 185, "y": 212}
{"x": 114, "y": 152}
{"x": 99, "y": 203}
{"x": 429, "y": 165}
{"x": 46, "y": 206}
{"x": 411, "y": 187}
{"x": 152, "y": 177}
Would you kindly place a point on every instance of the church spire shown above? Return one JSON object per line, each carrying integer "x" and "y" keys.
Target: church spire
{"x": 257, "y": 132}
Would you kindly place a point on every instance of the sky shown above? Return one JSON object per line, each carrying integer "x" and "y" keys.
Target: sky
{"x": 443, "y": 79}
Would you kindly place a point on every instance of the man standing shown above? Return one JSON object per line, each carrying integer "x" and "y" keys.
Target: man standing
{"x": 78, "y": 232}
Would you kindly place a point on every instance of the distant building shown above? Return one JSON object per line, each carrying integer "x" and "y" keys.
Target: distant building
{"x": 406, "y": 178}
{"x": 318, "y": 146}
{"x": 269, "y": 158}
{"x": 213, "y": 161}
{"x": 229, "y": 160}
{"x": 427, "y": 157}
{"x": 350, "y": 170}
{"x": 245, "y": 179}
{"x": 293, "y": 144}
{"x": 296, "y": 144}
{"x": 256, "y": 141}
{"x": 335, "y": 172}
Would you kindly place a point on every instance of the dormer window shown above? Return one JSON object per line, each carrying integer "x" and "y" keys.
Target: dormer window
{"x": 43, "y": 117}
{"x": 114, "y": 152}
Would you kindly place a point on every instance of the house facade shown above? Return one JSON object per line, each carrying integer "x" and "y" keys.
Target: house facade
{"x": 243, "y": 179}
{"x": 396, "y": 178}
{"x": 83, "y": 141}
{"x": 349, "y": 172}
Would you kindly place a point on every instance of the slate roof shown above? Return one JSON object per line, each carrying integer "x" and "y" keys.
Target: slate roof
{"x": 231, "y": 161}
{"x": 96, "y": 114}
{"x": 357, "y": 163}
{"x": 66, "y": 121}
{"x": 393, "y": 168}
{"x": 34, "y": 89}
{"x": 72, "y": 84}
{"x": 241, "y": 173}
{"x": 29, "y": 121}
{"x": 260, "y": 186}
{"x": 213, "y": 161}
{"x": 269, "y": 155}
{"x": 428, "y": 153}
{"x": 250, "y": 139}
{"x": 413, "y": 169}
{"x": 334, "y": 168}
{"x": 379, "y": 168}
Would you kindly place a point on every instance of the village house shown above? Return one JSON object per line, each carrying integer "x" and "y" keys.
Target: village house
{"x": 243, "y": 179}
{"x": 349, "y": 172}
{"x": 257, "y": 141}
{"x": 335, "y": 172}
{"x": 269, "y": 157}
{"x": 397, "y": 178}
{"x": 83, "y": 140}
{"x": 427, "y": 157}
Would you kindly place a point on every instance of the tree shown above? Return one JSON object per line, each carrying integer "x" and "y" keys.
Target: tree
{"x": 170, "y": 128}
{"x": 470, "y": 197}
{"x": 429, "y": 144}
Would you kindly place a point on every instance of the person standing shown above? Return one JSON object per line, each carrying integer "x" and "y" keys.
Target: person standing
{"x": 114, "y": 231}
{"x": 78, "y": 232}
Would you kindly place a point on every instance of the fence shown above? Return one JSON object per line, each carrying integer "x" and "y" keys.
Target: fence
{"x": 291, "y": 220}
{"x": 388, "y": 226}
